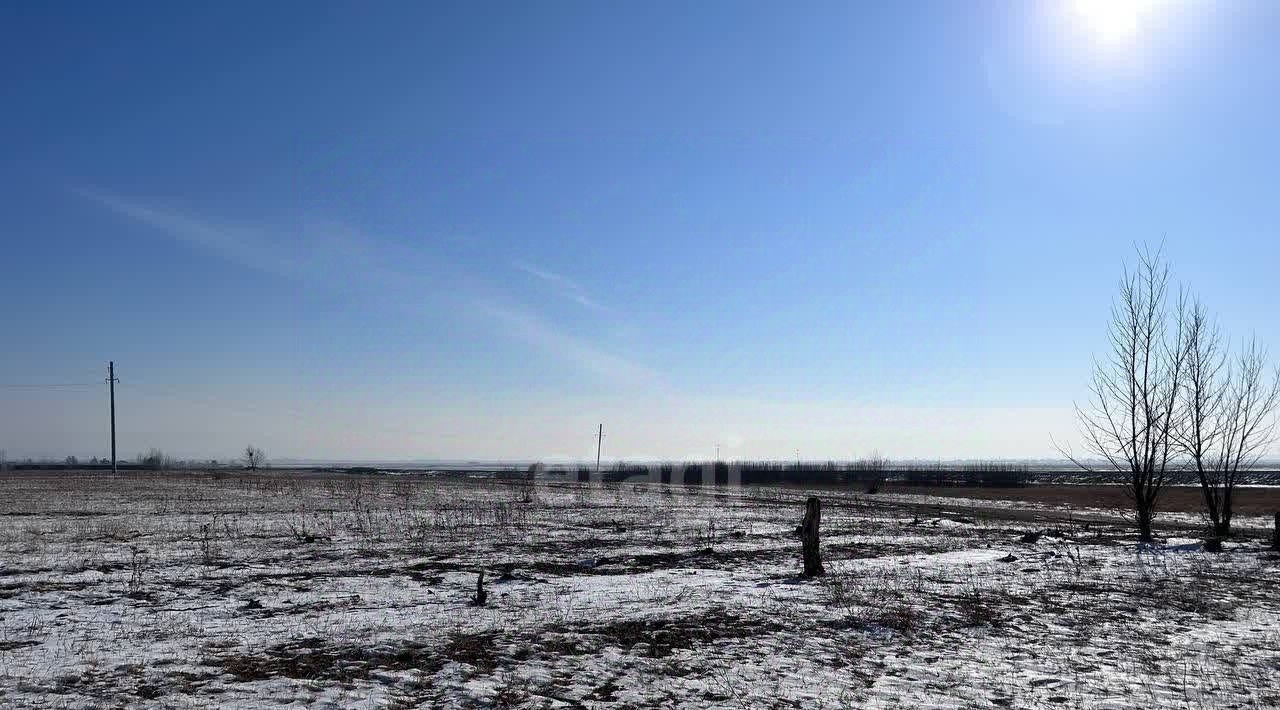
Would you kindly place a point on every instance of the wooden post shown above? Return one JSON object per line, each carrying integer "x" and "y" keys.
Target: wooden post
{"x": 809, "y": 537}
{"x": 1275, "y": 536}
{"x": 481, "y": 596}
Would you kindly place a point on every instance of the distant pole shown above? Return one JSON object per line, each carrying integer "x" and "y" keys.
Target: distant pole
{"x": 717, "y": 452}
{"x": 599, "y": 447}
{"x": 111, "y": 381}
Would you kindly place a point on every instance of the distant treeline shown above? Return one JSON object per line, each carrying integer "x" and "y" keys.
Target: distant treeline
{"x": 49, "y": 466}
{"x": 870, "y": 474}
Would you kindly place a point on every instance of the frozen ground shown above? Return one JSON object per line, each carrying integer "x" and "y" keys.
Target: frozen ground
{"x": 1254, "y": 524}
{"x": 345, "y": 592}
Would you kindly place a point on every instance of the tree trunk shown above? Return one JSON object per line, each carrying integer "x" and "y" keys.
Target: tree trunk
{"x": 1224, "y": 513}
{"x": 1211, "y": 506}
{"x": 1145, "y": 514}
{"x": 809, "y": 537}
{"x": 1223, "y": 528}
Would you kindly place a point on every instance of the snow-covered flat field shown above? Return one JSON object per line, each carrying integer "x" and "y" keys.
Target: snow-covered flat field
{"x": 283, "y": 590}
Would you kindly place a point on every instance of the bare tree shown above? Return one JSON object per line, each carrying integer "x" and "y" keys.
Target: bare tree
{"x": 1229, "y": 418}
{"x": 874, "y": 469}
{"x": 1204, "y": 400}
{"x": 253, "y": 457}
{"x": 1133, "y": 411}
{"x": 156, "y": 459}
{"x": 528, "y": 483}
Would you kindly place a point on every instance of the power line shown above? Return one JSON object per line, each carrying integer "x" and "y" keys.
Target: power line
{"x": 59, "y": 385}
{"x": 240, "y": 408}
{"x": 248, "y": 409}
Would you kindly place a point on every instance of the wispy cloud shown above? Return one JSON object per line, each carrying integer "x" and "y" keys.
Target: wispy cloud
{"x": 533, "y": 329}
{"x": 331, "y": 255}
{"x": 565, "y": 286}
{"x": 312, "y": 250}
{"x": 237, "y": 244}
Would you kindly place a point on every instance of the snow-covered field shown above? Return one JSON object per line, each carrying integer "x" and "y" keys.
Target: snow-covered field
{"x": 347, "y": 592}
{"x": 1254, "y": 524}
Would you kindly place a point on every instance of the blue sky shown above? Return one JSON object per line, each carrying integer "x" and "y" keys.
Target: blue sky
{"x": 476, "y": 230}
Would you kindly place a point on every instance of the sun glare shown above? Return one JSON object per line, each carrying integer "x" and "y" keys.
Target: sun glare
{"x": 1112, "y": 21}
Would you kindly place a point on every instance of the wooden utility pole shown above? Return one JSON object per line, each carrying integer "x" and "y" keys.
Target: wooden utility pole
{"x": 111, "y": 381}
{"x": 809, "y": 538}
{"x": 599, "y": 447}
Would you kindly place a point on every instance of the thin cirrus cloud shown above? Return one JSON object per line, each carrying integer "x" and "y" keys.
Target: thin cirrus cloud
{"x": 563, "y": 285}
{"x": 324, "y": 251}
{"x": 233, "y": 243}
{"x": 533, "y": 329}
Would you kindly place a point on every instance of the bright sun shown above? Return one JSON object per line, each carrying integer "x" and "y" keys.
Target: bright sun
{"x": 1113, "y": 21}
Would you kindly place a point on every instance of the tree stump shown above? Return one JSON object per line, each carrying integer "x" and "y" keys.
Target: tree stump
{"x": 809, "y": 538}
{"x": 480, "y": 596}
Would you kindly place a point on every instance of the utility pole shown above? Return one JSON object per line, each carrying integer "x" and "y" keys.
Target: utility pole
{"x": 111, "y": 381}
{"x": 599, "y": 446}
